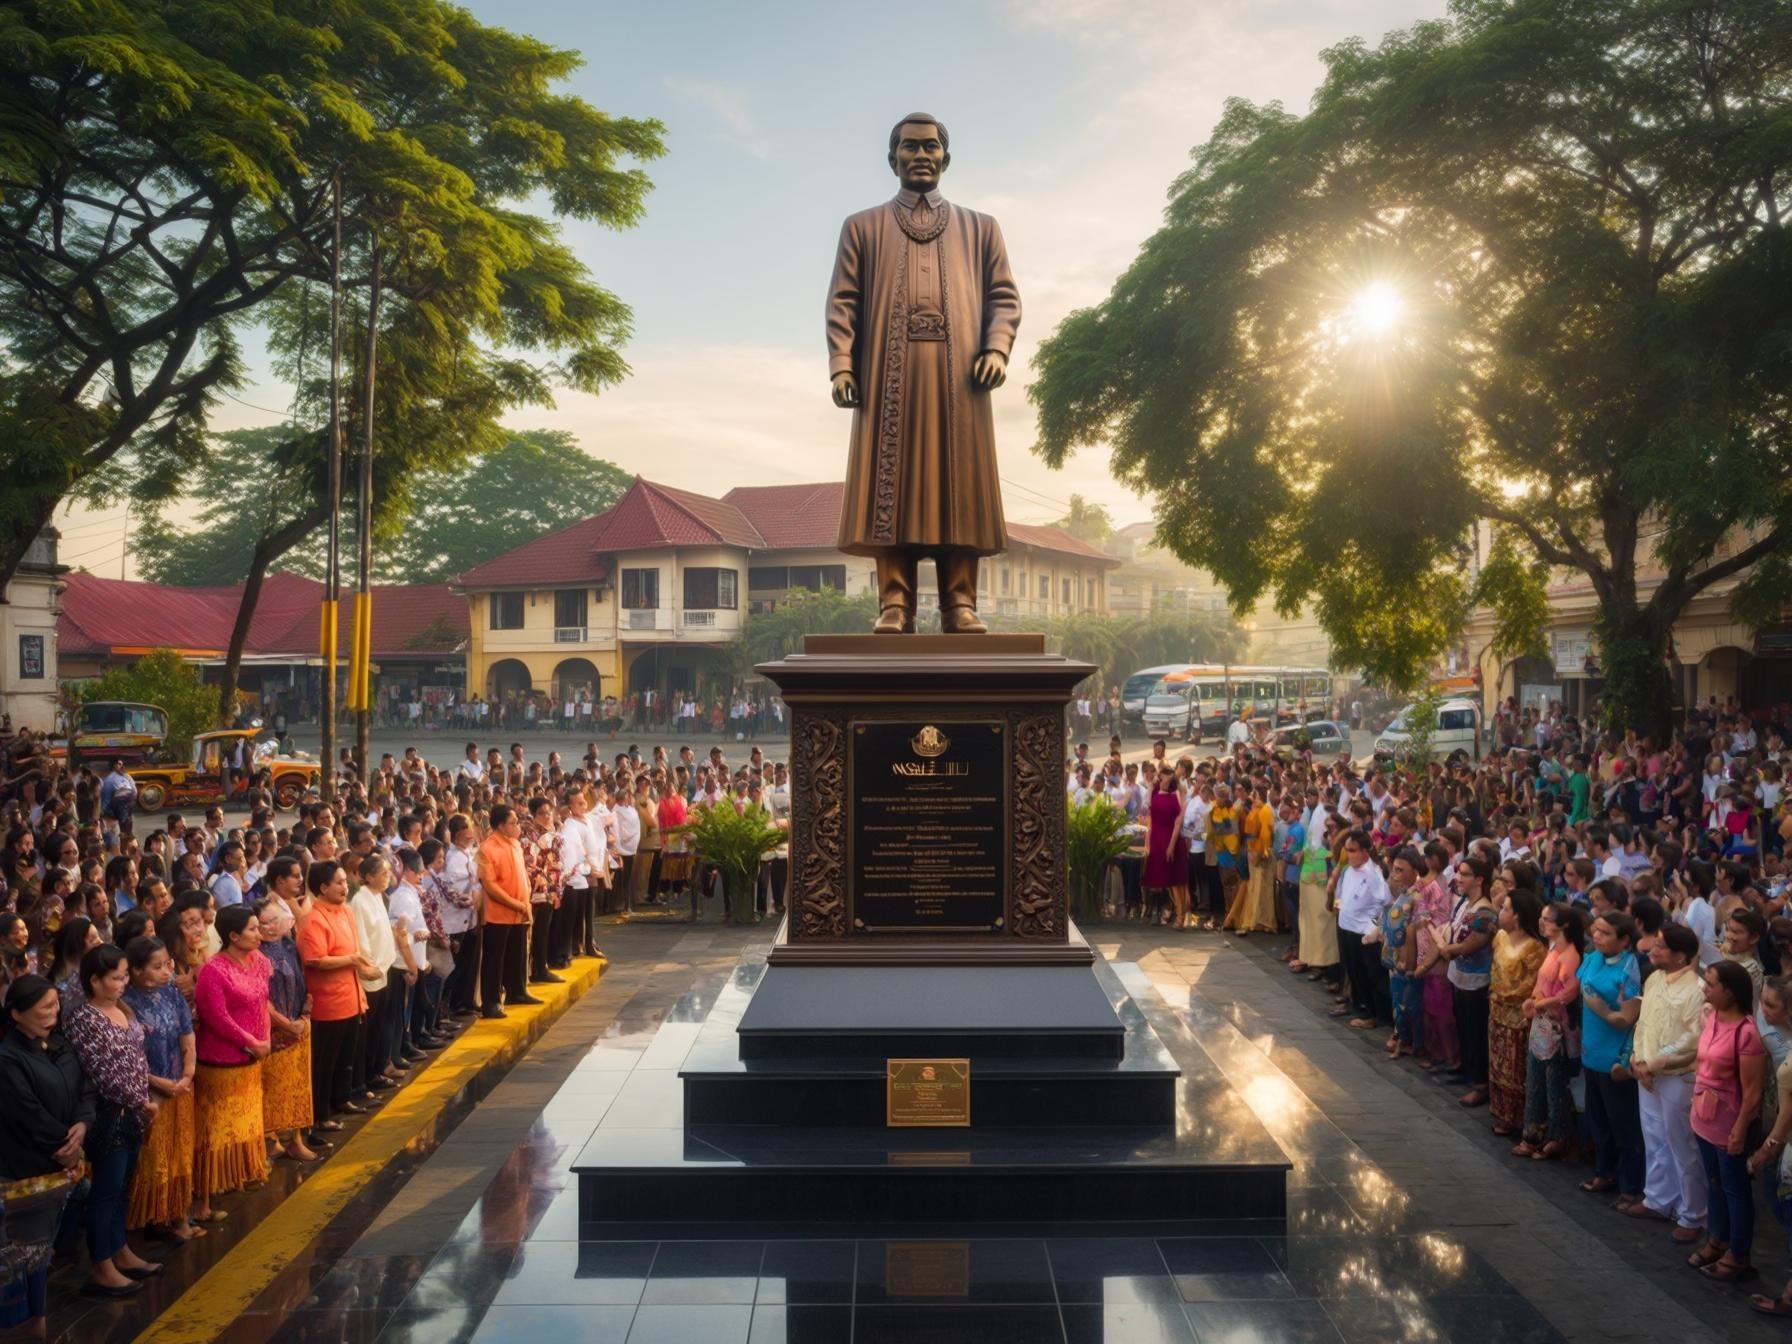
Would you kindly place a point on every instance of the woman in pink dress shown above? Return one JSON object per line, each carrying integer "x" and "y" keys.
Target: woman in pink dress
{"x": 233, "y": 1031}
{"x": 1166, "y": 852}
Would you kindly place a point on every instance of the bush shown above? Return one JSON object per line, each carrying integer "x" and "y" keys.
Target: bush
{"x": 160, "y": 677}
{"x": 735, "y": 842}
{"x": 1094, "y": 837}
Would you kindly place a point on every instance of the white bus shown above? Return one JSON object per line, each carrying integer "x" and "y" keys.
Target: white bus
{"x": 1202, "y": 701}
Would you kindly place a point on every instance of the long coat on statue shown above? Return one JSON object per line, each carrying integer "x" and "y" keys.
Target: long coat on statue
{"x": 920, "y": 289}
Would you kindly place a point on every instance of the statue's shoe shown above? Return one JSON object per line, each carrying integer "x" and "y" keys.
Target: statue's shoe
{"x": 961, "y": 621}
{"x": 894, "y": 621}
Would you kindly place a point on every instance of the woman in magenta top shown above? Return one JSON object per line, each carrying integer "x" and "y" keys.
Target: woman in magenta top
{"x": 1166, "y": 852}
{"x": 1726, "y": 1106}
{"x": 232, "y": 1030}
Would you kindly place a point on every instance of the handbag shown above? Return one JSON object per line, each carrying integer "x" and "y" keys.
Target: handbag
{"x": 440, "y": 961}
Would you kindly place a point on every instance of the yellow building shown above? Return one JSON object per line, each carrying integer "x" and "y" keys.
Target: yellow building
{"x": 1711, "y": 653}
{"x": 635, "y": 598}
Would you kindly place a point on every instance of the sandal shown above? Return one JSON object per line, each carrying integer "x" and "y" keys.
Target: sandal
{"x": 1550, "y": 1152}
{"x": 1475, "y": 1096}
{"x": 1729, "y": 1271}
{"x": 1770, "y": 1306}
{"x": 1598, "y": 1185}
{"x": 1523, "y": 1150}
{"x": 1707, "y": 1255}
{"x": 1642, "y": 1210}
{"x": 215, "y": 1216}
{"x": 1338, "y": 1010}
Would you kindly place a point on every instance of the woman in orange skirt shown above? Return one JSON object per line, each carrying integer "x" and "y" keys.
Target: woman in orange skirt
{"x": 162, "y": 1187}
{"x": 286, "y": 1072}
{"x": 231, "y": 1003}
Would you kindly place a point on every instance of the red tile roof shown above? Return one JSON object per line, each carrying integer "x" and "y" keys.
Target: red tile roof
{"x": 649, "y": 516}
{"x": 99, "y": 615}
{"x": 792, "y": 517}
{"x": 1056, "y": 539}
{"x": 567, "y": 556}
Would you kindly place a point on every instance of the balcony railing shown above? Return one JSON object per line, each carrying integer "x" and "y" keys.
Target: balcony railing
{"x": 643, "y": 618}
{"x": 699, "y": 618}
{"x": 571, "y": 634}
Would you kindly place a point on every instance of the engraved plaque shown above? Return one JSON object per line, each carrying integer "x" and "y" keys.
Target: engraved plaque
{"x": 927, "y": 1093}
{"x": 927, "y": 1268}
{"x": 928, "y": 830}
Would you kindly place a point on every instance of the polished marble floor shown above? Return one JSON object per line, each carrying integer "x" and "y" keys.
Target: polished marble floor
{"x": 1353, "y": 1261}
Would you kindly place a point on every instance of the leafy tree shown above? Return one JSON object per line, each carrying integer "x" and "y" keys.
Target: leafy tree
{"x": 165, "y": 172}
{"x": 780, "y": 631}
{"x": 1090, "y": 522}
{"x": 538, "y": 482}
{"x": 249, "y": 493}
{"x": 160, "y": 677}
{"x": 1525, "y": 266}
{"x": 249, "y": 487}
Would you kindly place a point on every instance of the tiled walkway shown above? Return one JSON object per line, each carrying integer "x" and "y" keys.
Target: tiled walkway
{"x": 1399, "y": 1229}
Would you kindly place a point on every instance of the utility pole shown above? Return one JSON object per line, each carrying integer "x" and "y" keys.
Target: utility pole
{"x": 332, "y": 564}
{"x": 360, "y": 675}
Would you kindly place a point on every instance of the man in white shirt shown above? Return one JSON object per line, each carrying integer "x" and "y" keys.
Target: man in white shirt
{"x": 460, "y": 915}
{"x": 1239, "y": 734}
{"x": 1362, "y": 894}
{"x": 584, "y": 868}
{"x": 472, "y": 769}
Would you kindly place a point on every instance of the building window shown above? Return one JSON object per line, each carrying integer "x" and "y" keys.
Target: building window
{"x": 1089, "y": 589}
{"x": 1007, "y": 580}
{"x": 1045, "y": 588}
{"x": 507, "y": 611}
{"x": 31, "y": 656}
{"x": 640, "y": 588}
{"x": 769, "y": 579}
{"x": 817, "y": 577}
{"x": 708, "y": 589}
{"x": 570, "y": 609}
{"x": 1069, "y": 591}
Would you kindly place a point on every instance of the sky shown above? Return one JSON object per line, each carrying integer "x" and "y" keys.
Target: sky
{"x": 1070, "y": 119}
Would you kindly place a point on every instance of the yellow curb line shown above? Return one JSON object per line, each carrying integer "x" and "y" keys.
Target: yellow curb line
{"x": 407, "y": 1121}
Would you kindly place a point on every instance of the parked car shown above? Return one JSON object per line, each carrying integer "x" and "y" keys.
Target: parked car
{"x": 201, "y": 783}
{"x": 1455, "y": 737}
{"x": 1322, "y": 737}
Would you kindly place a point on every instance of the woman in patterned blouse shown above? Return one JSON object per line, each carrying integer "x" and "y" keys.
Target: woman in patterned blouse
{"x": 162, "y": 1193}
{"x": 109, "y": 1040}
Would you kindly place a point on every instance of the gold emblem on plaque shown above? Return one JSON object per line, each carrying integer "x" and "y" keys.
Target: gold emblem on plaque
{"x": 927, "y": 1094}
{"x": 930, "y": 741}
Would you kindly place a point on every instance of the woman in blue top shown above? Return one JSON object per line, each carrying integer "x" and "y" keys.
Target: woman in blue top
{"x": 1611, "y": 995}
{"x": 162, "y": 1186}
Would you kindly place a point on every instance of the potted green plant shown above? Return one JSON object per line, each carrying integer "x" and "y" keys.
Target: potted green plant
{"x": 734, "y": 842}
{"x": 1094, "y": 837}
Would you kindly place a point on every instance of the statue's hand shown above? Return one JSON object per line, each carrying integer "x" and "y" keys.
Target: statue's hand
{"x": 846, "y": 390}
{"x": 990, "y": 369}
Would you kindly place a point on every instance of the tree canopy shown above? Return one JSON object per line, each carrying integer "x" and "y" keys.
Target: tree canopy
{"x": 1524, "y": 267}
{"x": 1091, "y": 522}
{"x": 166, "y": 171}
{"x": 457, "y": 516}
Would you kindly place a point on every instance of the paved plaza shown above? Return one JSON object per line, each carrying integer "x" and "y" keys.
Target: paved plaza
{"x": 1407, "y": 1222}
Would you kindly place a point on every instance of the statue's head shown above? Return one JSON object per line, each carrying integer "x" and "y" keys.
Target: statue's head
{"x": 920, "y": 151}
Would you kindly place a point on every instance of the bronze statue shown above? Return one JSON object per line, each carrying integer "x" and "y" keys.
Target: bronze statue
{"x": 922, "y": 313}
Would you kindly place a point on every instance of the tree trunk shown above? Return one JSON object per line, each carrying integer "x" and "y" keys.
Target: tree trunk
{"x": 269, "y": 549}
{"x": 1633, "y": 647}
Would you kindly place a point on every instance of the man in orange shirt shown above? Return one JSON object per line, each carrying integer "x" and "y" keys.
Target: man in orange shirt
{"x": 505, "y": 880}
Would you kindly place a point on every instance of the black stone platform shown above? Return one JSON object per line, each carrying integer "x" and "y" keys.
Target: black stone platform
{"x": 700, "y": 1137}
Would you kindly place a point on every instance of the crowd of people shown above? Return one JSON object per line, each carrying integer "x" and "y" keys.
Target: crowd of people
{"x": 183, "y": 1007}
{"x": 1590, "y": 935}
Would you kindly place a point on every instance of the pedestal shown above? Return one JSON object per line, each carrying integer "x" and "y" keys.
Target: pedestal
{"x": 929, "y": 923}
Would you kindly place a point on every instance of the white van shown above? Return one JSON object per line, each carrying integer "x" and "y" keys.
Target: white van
{"x": 1456, "y": 736}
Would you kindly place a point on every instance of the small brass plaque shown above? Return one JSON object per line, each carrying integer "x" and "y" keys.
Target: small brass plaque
{"x": 927, "y": 1268}
{"x": 928, "y": 1093}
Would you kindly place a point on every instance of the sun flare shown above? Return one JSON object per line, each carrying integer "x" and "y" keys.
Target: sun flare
{"x": 1376, "y": 309}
